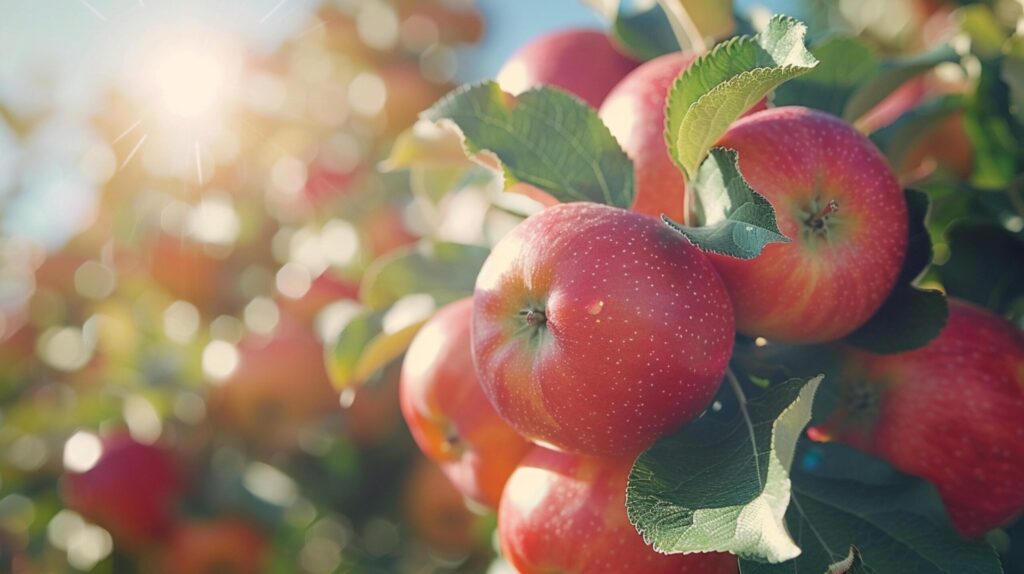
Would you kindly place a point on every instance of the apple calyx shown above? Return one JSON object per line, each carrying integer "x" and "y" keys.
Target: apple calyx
{"x": 816, "y": 220}
{"x": 533, "y": 317}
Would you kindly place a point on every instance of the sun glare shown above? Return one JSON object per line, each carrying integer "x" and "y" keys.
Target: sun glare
{"x": 189, "y": 81}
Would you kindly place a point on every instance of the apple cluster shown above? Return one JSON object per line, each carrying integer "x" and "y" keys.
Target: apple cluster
{"x": 594, "y": 331}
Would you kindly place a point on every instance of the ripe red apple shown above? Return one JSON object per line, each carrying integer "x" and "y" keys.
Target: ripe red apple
{"x": 564, "y": 512}
{"x": 221, "y": 545}
{"x": 448, "y": 413}
{"x": 582, "y": 62}
{"x": 436, "y": 512}
{"x": 951, "y": 412}
{"x": 844, "y": 212}
{"x": 131, "y": 491}
{"x": 279, "y": 387}
{"x": 634, "y": 111}
{"x": 598, "y": 330}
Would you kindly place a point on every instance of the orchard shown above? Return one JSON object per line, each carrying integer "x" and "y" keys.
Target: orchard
{"x": 444, "y": 286}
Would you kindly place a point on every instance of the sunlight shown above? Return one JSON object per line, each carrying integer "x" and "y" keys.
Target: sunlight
{"x": 190, "y": 80}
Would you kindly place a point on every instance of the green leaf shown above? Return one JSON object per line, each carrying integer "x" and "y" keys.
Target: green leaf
{"x": 723, "y": 84}
{"x": 646, "y": 34}
{"x": 543, "y": 137}
{"x": 445, "y": 271}
{"x": 1012, "y": 74}
{"x": 695, "y": 21}
{"x": 908, "y": 320}
{"x": 738, "y": 221}
{"x": 985, "y": 266}
{"x": 342, "y": 357}
{"x": 715, "y": 486}
{"x": 910, "y": 317}
{"x": 844, "y": 64}
{"x": 895, "y": 525}
{"x": 996, "y": 148}
{"x": 890, "y": 76}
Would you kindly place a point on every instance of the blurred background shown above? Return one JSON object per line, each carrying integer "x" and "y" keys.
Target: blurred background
{"x": 189, "y": 200}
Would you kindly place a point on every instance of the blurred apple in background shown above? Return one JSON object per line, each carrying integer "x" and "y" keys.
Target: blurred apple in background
{"x": 278, "y": 386}
{"x": 129, "y": 488}
{"x": 222, "y": 546}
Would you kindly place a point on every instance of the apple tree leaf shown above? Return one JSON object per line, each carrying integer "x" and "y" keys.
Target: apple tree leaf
{"x": 910, "y": 317}
{"x": 645, "y": 34}
{"x": 726, "y": 82}
{"x": 369, "y": 340}
{"x": 844, "y": 63}
{"x": 444, "y": 271}
{"x": 890, "y": 75}
{"x": 724, "y": 485}
{"x": 985, "y": 266}
{"x": 853, "y": 513}
{"x": 544, "y": 137}
{"x": 1012, "y": 74}
{"x": 737, "y": 221}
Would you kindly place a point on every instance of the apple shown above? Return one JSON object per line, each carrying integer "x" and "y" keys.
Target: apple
{"x": 132, "y": 490}
{"x": 326, "y": 289}
{"x": 385, "y": 230}
{"x": 581, "y": 62}
{"x": 951, "y": 412}
{"x": 229, "y": 545}
{"x": 449, "y": 415}
{"x": 943, "y": 148}
{"x": 634, "y": 111}
{"x": 564, "y": 512}
{"x": 598, "y": 330}
{"x": 279, "y": 387}
{"x": 838, "y": 201}
{"x": 187, "y": 271}
{"x": 436, "y": 512}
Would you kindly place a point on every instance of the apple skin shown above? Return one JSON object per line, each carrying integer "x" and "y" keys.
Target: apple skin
{"x": 826, "y": 281}
{"x": 131, "y": 491}
{"x": 581, "y": 62}
{"x": 220, "y": 545}
{"x": 634, "y": 111}
{"x": 564, "y": 512}
{"x": 447, "y": 412}
{"x": 598, "y": 330}
{"x": 279, "y": 387}
{"x": 951, "y": 412}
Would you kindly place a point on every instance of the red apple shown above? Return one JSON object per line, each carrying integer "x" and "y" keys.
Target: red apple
{"x": 951, "y": 412}
{"x": 582, "y": 62}
{"x": 448, "y": 413}
{"x": 385, "y": 230}
{"x": 635, "y": 113}
{"x": 229, "y": 545}
{"x": 944, "y": 147}
{"x": 279, "y": 388}
{"x": 131, "y": 491}
{"x": 436, "y": 512}
{"x": 844, "y": 212}
{"x": 564, "y": 512}
{"x": 327, "y": 288}
{"x": 598, "y": 330}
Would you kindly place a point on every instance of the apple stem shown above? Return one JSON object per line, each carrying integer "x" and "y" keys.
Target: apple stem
{"x": 817, "y": 221}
